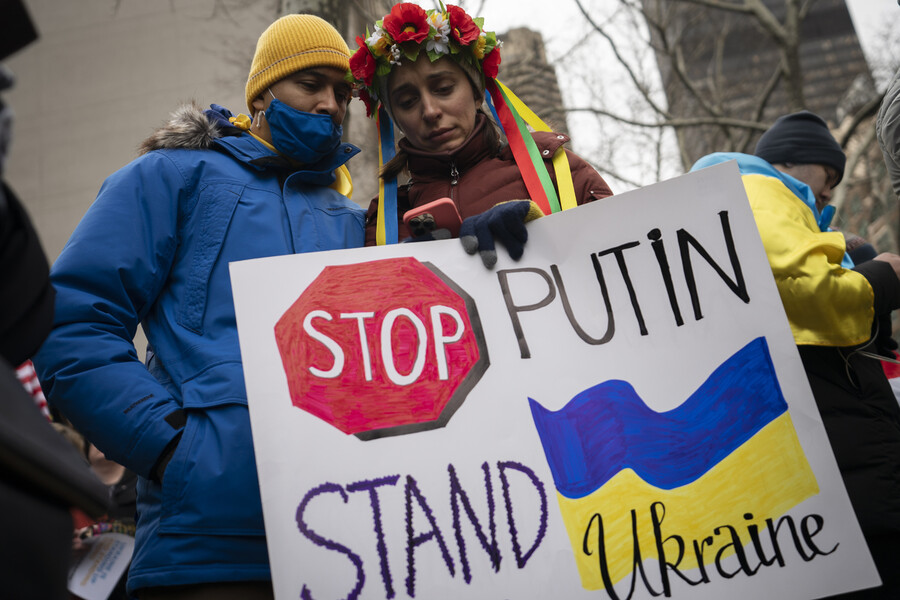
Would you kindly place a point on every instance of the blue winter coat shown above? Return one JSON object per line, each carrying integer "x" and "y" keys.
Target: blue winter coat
{"x": 154, "y": 249}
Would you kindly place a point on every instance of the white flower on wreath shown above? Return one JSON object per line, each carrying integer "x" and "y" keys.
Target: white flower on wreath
{"x": 440, "y": 43}
{"x": 396, "y": 53}
{"x": 376, "y": 35}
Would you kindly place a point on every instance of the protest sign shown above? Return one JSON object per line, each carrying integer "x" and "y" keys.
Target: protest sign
{"x": 620, "y": 414}
{"x": 100, "y": 566}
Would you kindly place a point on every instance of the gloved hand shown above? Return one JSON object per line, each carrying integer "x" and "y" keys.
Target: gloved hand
{"x": 504, "y": 222}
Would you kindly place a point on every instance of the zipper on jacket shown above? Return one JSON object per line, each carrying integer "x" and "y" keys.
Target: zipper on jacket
{"x": 454, "y": 179}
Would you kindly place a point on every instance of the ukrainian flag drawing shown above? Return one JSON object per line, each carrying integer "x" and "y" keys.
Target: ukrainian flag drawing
{"x": 728, "y": 451}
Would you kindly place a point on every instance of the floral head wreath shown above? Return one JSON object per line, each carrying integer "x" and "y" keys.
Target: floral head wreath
{"x": 405, "y": 32}
{"x": 408, "y": 30}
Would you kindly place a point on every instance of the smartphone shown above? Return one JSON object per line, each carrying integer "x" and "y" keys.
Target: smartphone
{"x": 440, "y": 214}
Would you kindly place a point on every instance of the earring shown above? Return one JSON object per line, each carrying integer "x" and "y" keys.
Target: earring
{"x": 258, "y": 118}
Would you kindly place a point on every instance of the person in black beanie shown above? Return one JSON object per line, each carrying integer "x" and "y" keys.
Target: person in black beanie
{"x": 801, "y": 145}
{"x": 839, "y": 314}
{"x": 800, "y": 142}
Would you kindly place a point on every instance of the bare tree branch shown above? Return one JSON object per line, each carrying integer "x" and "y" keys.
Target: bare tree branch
{"x": 741, "y": 7}
{"x": 867, "y": 110}
{"x": 676, "y": 122}
{"x": 751, "y": 7}
{"x": 805, "y": 8}
{"x": 761, "y": 103}
{"x": 659, "y": 153}
{"x": 853, "y": 159}
{"x": 768, "y": 21}
{"x": 678, "y": 67}
{"x": 719, "y": 78}
{"x": 640, "y": 85}
{"x": 603, "y": 170}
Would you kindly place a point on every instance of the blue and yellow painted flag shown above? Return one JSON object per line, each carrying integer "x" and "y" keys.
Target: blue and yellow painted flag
{"x": 728, "y": 452}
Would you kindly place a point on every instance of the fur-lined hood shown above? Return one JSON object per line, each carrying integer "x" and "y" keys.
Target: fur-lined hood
{"x": 187, "y": 128}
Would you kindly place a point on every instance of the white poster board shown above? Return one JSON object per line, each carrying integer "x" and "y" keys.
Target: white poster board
{"x": 427, "y": 428}
{"x": 98, "y": 568}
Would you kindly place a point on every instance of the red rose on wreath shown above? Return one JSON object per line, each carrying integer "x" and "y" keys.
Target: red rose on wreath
{"x": 362, "y": 63}
{"x": 407, "y": 22}
{"x": 462, "y": 27}
{"x": 491, "y": 64}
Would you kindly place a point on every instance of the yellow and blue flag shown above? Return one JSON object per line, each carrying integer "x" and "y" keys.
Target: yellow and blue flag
{"x": 728, "y": 455}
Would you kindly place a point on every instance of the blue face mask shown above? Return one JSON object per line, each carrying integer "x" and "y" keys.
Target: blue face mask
{"x": 303, "y": 136}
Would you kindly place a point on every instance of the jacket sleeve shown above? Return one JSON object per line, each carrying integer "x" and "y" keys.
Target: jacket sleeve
{"x": 826, "y": 304}
{"x": 886, "y": 290}
{"x": 885, "y": 285}
{"x": 589, "y": 185}
{"x": 107, "y": 278}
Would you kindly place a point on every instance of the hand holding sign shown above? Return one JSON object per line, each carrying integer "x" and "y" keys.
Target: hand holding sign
{"x": 504, "y": 222}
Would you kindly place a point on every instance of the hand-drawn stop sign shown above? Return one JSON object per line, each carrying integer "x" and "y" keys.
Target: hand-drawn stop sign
{"x": 382, "y": 348}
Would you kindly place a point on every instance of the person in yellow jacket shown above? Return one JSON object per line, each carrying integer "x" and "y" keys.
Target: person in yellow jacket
{"x": 839, "y": 314}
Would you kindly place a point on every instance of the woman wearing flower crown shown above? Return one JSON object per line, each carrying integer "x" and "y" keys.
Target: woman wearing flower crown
{"x": 427, "y": 71}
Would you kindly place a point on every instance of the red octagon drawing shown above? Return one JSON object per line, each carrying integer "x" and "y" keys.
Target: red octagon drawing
{"x": 382, "y": 348}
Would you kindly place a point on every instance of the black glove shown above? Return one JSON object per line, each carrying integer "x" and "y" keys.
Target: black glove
{"x": 504, "y": 222}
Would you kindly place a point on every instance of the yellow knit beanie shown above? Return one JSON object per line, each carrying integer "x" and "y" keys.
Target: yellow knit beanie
{"x": 293, "y": 43}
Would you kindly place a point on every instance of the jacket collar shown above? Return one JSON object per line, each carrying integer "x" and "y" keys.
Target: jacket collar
{"x": 436, "y": 165}
{"x": 247, "y": 149}
{"x": 753, "y": 165}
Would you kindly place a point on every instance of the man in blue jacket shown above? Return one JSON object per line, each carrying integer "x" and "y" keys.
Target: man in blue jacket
{"x": 154, "y": 250}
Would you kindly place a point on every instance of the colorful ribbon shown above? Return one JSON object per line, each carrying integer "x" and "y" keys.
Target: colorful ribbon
{"x": 527, "y": 156}
{"x": 386, "y": 231}
{"x": 560, "y": 161}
